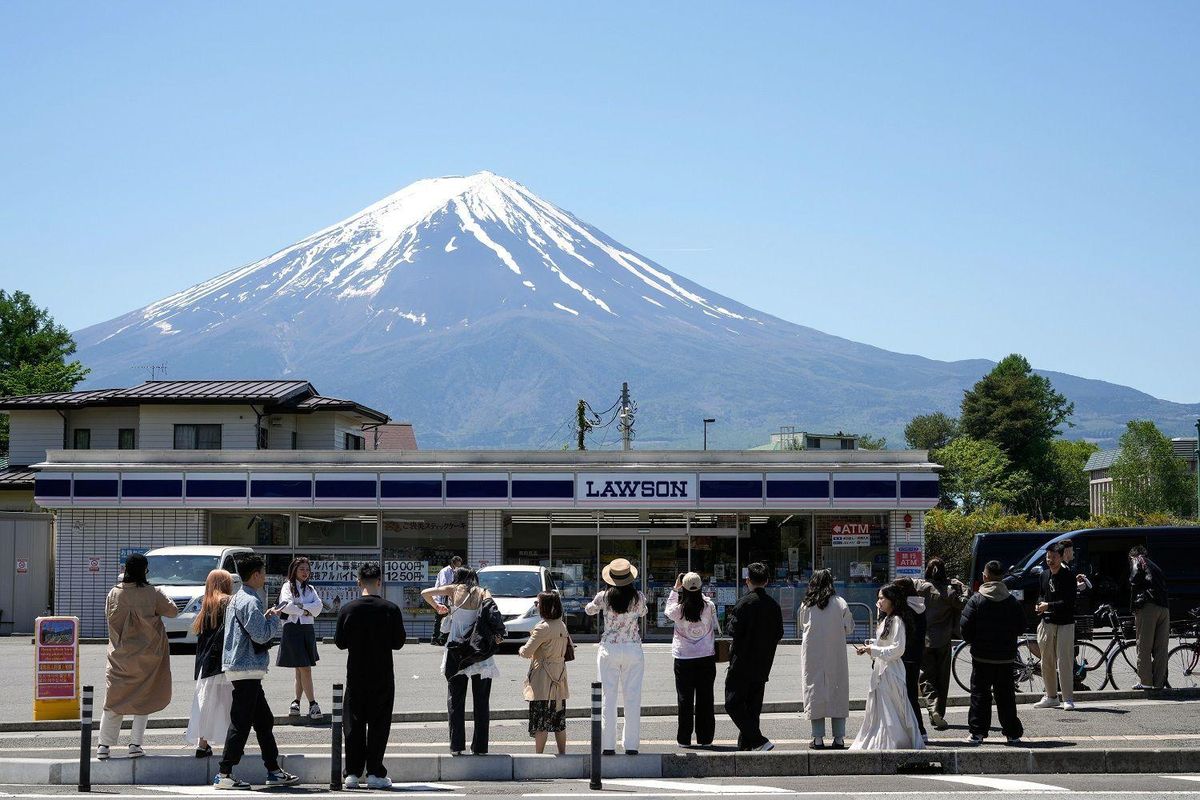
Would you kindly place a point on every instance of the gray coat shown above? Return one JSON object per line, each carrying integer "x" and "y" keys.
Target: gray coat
{"x": 943, "y": 606}
{"x": 824, "y": 665}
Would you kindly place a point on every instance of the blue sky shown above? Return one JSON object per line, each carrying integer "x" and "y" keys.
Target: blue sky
{"x": 955, "y": 180}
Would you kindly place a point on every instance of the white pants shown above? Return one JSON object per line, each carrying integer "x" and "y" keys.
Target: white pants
{"x": 621, "y": 667}
{"x": 110, "y": 726}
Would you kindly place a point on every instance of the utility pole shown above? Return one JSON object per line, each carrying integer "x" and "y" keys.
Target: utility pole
{"x": 582, "y": 426}
{"x": 626, "y": 419}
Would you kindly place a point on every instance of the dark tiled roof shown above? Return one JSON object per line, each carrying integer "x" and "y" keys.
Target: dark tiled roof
{"x": 1100, "y": 460}
{"x": 16, "y": 478}
{"x": 56, "y": 400}
{"x": 396, "y": 436}
{"x": 320, "y": 403}
{"x": 217, "y": 391}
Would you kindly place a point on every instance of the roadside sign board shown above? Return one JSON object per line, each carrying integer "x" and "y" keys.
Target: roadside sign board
{"x": 22, "y": 566}
{"x": 56, "y": 668}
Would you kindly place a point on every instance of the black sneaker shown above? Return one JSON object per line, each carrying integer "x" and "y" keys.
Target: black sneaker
{"x": 280, "y": 778}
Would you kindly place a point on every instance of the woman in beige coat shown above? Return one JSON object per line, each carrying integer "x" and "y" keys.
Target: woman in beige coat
{"x": 546, "y": 683}
{"x": 138, "y": 677}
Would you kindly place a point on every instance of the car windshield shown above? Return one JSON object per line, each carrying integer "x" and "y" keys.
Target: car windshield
{"x": 179, "y": 570}
{"x": 1029, "y": 560}
{"x": 511, "y": 583}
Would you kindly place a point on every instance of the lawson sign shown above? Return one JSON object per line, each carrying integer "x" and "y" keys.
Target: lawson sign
{"x": 640, "y": 488}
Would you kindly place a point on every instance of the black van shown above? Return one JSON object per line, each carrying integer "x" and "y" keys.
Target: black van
{"x": 1008, "y": 548}
{"x": 1102, "y": 554}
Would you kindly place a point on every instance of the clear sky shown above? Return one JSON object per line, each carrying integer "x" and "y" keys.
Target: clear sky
{"x": 958, "y": 180}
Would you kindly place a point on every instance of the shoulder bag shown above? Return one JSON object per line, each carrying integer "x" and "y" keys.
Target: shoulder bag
{"x": 724, "y": 646}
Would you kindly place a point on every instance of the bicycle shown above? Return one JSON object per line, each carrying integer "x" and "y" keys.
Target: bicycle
{"x": 1183, "y": 660}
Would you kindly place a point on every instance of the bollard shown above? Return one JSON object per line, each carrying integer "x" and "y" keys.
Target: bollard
{"x": 85, "y": 740}
{"x": 335, "y": 761}
{"x": 596, "y": 744}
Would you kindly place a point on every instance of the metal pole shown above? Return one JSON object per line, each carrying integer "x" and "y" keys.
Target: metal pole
{"x": 335, "y": 727}
{"x": 596, "y": 748}
{"x": 1198, "y": 468}
{"x": 85, "y": 740}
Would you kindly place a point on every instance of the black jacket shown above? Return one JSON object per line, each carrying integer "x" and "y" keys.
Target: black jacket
{"x": 992, "y": 621}
{"x": 370, "y": 628}
{"x": 1147, "y": 584}
{"x": 756, "y": 625}
{"x": 210, "y": 642}
{"x": 1059, "y": 592}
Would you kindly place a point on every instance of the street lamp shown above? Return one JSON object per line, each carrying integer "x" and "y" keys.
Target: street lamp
{"x": 714, "y": 419}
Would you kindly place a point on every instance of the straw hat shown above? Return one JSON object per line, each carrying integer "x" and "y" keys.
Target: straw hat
{"x": 619, "y": 573}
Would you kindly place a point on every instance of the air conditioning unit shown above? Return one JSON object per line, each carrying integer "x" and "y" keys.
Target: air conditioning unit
{"x": 276, "y": 422}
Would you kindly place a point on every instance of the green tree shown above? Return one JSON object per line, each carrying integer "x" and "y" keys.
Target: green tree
{"x": 1063, "y": 491}
{"x": 1020, "y": 412}
{"x": 930, "y": 431}
{"x": 1147, "y": 476}
{"x": 976, "y": 474}
{"x": 868, "y": 442}
{"x": 33, "y": 353}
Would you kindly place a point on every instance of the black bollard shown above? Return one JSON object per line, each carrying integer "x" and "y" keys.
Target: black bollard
{"x": 596, "y": 743}
{"x": 335, "y": 761}
{"x": 85, "y": 740}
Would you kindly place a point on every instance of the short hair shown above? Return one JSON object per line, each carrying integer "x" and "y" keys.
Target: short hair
{"x": 758, "y": 573}
{"x": 993, "y": 568}
{"x": 136, "y": 567}
{"x": 906, "y": 585}
{"x": 1137, "y": 550}
{"x": 1067, "y": 543}
{"x": 1057, "y": 548}
{"x": 455, "y": 561}
{"x": 549, "y": 605}
{"x": 249, "y": 564}
{"x": 369, "y": 572}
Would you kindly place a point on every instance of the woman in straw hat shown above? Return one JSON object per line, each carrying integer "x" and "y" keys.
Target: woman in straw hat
{"x": 619, "y": 659}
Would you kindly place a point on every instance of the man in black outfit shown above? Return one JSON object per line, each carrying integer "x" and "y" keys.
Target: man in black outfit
{"x": 992, "y": 621}
{"x": 370, "y": 628}
{"x": 756, "y": 626}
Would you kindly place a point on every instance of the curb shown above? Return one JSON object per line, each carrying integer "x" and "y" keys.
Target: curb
{"x": 584, "y": 712}
{"x": 312, "y": 769}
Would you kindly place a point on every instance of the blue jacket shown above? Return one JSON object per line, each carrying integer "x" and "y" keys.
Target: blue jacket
{"x": 245, "y": 616}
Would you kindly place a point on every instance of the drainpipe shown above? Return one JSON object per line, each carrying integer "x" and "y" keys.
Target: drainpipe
{"x": 66, "y": 427}
{"x": 375, "y": 430}
{"x": 258, "y": 417}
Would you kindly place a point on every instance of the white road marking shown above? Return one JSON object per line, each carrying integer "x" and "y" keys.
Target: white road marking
{"x": 1182, "y": 777}
{"x": 407, "y": 789}
{"x": 702, "y": 788}
{"x": 1002, "y": 784}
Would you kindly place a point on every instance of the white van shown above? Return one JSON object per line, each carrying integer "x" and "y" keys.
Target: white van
{"x": 180, "y": 572}
{"x": 514, "y": 588}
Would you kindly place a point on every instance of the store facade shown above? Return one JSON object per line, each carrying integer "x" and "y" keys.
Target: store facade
{"x": 859, "y": 513}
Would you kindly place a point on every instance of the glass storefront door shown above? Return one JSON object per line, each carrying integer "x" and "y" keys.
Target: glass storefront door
{"x": 665, "y": 560}
{"x": 715, "y": 560}
{"x": 573, "y": 567}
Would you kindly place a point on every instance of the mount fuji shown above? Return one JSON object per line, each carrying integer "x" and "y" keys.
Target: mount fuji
{"x": 481, "y": 313}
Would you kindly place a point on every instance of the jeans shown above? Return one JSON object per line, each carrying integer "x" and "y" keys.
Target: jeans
{"x": 912, "y": 674}
{"x": 1057, "y": 643}
{"x": 743, "y": 704}
{"x": 818, "y": 727}
{"x": 621, "y": 667}
{"x": 249, "y": 710}
{"x": 456, "y": 704}
{"x": 1153, "y": 624}
{"x": 110, "y": 727}
{"x": 990, "y": 681}
{"x": 935, "y": 677}
{"x": 694, "y": 679}
{"x": 367, "y": 726}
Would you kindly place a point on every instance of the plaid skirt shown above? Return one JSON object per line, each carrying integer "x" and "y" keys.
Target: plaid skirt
{"x": 548, "y": 716}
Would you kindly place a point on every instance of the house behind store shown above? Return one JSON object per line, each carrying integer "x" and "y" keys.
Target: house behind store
{"x": 1100, "y": 482}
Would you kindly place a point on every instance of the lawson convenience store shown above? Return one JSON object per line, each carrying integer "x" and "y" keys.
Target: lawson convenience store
{"x": 859, "y": 513}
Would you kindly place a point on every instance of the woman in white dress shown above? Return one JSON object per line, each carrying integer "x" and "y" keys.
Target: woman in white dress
{"x": 213, "y": 699}
{"x": 889, "y": 722}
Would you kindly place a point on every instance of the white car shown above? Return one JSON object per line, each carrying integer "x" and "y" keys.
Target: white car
{"x": 180, "y": 573}
{"x": 514, "y": 588}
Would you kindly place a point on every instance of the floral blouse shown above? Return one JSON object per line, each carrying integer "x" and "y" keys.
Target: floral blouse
{"x": 619, "y": 628}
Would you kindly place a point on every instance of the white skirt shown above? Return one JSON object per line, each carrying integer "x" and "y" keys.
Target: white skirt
{"x": 210, "y": 710}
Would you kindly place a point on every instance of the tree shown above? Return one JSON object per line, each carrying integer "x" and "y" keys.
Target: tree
{"x": 33, "y": 353}
{"x": 1021, "y": 413}
{"x": 976, "y": 474}
{"x": 868, "y": 442}
{"x": 1063, "y": 492}
{"x": 1147, "y": 476}
{"x": 930, "y": 431}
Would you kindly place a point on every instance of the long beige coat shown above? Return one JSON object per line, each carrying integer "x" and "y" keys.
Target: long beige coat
{"x": 547, "y": 645}
{"x": 138, "y": 678}
{"x": 824, "y": 667}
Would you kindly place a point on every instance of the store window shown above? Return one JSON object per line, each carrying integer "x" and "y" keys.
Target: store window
{"x": 855, "y": 548}
{"x": 527, "y": 539}
{"x": 784, "y": 543}
{"x": 714, "y": 557}
{"x": 240, "y": 528}
{"x": 415, "y": 548}
{"x": 334, "y": 530}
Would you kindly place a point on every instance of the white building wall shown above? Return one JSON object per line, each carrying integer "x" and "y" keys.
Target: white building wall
{"x": 485, "y": 538}
{"x": 31, "y": 434}
{"x": 103, "y": 423}
{"x": 280, "y": 435}
{"x": 157, "y": 428}
{"x": 343, "y": 424}
{"x": 899, "y": 535}
{"x": 84, "y": 534}
{"x": 315, "y": 431}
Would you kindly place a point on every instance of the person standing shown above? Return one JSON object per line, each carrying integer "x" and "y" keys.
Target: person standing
{"x": 1152, "y": 618}
{"x": 444, "y": 578}
{"x": 756, "y": 625}
{"x": 249, "y": 630}
{"x": 1056, "y": 631}
{"x": 209, "y": 720}
{"x": 370, "y": 628}
{"x": 992, "y": 622}
{"x": 138, "y": 674}
{"x": 546, "y": 682}
{"x": 693, "y": 647}
{"x": 619, "y": 659}
{"x": 944, "y": 601}
{"x": 914, "y": 649}
{"x": 825, "y": 622}
{"x": 299, "y": 605}
{"x": 889, "y": 722}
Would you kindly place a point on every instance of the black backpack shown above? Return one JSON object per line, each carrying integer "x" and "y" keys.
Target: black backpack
{"x": 481, "y": 642}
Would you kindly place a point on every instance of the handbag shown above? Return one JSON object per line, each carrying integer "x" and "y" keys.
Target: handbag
{"x": 569, "y": 655}
{"x": 723, "y": 646}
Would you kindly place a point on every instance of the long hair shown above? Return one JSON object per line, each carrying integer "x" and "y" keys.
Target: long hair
{"x": 466, "y": 592}
{"x": 692, "y": 603}
{"x": 298, "y": 587}
{"x": 898, "y": 598}
{"x": 936, "y": 571}
{"x": 135, "y": 569}
{"x": 820, "y": 589}
{"x": 218, "y": 587}
{"x": 621, "y": 598}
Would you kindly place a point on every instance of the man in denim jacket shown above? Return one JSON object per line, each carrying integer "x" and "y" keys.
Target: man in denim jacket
{"x": 247, "y": 625}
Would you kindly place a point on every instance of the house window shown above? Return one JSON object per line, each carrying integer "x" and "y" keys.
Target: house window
{"x": 354, "y": 442}
{"x": 82, "y": 439}
{"x": 847, "y": 444}
{"x": 126, "y": 439}
{"x": 812, "y": 443}
{"x": 197, "y": 437}
{"x": 264, "y": 439}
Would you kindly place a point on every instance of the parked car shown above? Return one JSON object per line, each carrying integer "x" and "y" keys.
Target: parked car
{"x": 514, "y": 588}
{"x": 1009, "y": 548}
{"x": 1102, "y": 554}
{"x": 180, "y": 572}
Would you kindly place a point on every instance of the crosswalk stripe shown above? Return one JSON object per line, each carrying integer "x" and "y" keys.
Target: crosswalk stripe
{"x": 702, "y": 788}
{"x": 1182, "y": 777}
{"x": 1002, "y": 784}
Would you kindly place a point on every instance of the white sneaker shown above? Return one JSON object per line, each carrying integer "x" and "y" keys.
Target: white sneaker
{"x": 765, "y": 746}
{"x": 281, "y": 778}
{"x": 229, "y": 782}
{"x": 350, "y": 782}
{"x": 102, "y": 753}
{"x": 314, "y": 710}
{"x": 1046, "y": 702}
{"x": 136, "y": 751}
{"x": 1141, "y": 686}
{"x": 379, "y": 783}
{"x": 1067, "y": 705}
{"x": 974, "y": 740}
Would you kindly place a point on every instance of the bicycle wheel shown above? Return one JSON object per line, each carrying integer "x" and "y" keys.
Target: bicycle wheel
{"x": 1122, "y": 666}
{"x": 1183, "y": 666}
{"x": 960, "y": 666}
{"x": 1088, "y": 659}
{"x": 1027, "y": 671}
